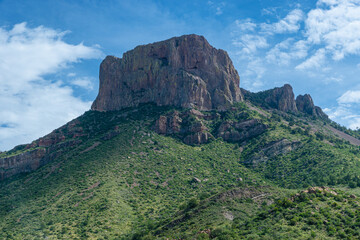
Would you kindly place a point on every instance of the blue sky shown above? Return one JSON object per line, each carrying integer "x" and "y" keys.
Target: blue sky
{"x": 50, "y": 51}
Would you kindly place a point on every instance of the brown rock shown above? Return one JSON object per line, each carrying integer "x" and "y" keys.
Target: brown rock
{"x": 305, "y": 104}
{"x": 240, "y": 131}
{"x": 183, "y": 71}
{"x": 192, "y": 132}
{"x": 197, "y": 138}
{"x": 282, "y": 99}
{"x": 168, "y": 124}
{"x": 25, "y": 162}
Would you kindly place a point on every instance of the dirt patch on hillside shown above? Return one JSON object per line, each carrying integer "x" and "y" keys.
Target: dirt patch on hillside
{"x": 345, "y": 136}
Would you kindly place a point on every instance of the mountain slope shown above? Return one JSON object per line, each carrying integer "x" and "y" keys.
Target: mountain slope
{"x": 184, "y": 161}
{"x": 127, "y": 179}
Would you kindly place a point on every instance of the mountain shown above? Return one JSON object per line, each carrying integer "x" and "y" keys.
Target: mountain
{"x": 182, "y": 71}
{"x": 170, "y": 151}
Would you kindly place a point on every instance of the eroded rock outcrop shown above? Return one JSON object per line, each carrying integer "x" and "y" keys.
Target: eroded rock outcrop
{"x": 282, "y": 98}
{"x": 273, "y": 149}
{"x": 188, "y": 126}
{"x": 240, "y": 131}
{"x": 183, "y": 71}
{"x": 41, "y": 151}
{"x": 305, "y": 104}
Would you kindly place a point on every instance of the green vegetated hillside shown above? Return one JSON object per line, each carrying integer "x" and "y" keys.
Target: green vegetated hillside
{"x": 125, "y": 181}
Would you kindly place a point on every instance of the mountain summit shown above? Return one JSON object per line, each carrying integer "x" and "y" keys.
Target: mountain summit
{"x": 182, "y": 71}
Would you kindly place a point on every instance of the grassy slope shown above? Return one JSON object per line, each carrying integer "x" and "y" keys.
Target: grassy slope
{"x": 142, "y": 184}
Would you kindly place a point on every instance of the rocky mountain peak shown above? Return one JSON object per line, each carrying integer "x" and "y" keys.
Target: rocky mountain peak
{"x": 282, "y": 98}
{"x": 182, "y": 71}
{"x": 305, "y": 104}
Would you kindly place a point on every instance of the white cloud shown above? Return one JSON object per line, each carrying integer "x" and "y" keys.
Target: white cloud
{"x": 286, "y": 51}
{"x": 315, "y": 61}
{"x": 347, "y": 109}
{"x": 217, "y": 7}
{"x": 84, "y": 82}
{"x": 332, "y": 79}
{"x": 71, "y": 74}
{"x": 335, "y": 25}
{"x": 31, "y": 105}
{"x": 219, "y": 11}
{"x": 252, "y": 76}
{"x": 245, "y": 25}
{"x": 350, "y": 97}
{"x": 345, "y": 114}
{"x": 291, "y": 23}
{"x": 250, "y": 43}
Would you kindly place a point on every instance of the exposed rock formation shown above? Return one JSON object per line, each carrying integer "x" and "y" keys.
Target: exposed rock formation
{"x": 240, "y": 131}
{"x": 282, "y": 98}
{"x": 41, "y": 151}
{"x": 305, "y": 104}
{"x": 183, "y": 71}
{"x": 273, "y": 149}
{"x": 168, "y": 124}
{"x": 188, "y": 126}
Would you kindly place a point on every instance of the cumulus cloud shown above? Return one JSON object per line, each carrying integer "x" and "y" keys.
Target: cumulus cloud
{"x": 250, "y": 43}
{"x": 32, "y": 105}
{"x": 245, "y": 25}
{"x": 83, "y": 82}
{"x": 350, "y": 96}
{"x": 335, "y": 25}
{"x": 346, "y": 114}
{"x": 286, "y": 51}
{"x": 291, "y": 23}
{"x": 315, "y": 61}
{"x": 347, "y": 109}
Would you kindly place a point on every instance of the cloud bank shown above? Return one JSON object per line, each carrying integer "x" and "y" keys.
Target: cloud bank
{"x": 31, "y": 103}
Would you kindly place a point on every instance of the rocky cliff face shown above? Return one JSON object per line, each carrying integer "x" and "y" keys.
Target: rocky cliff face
{"x": 305, "y": 104}
{"x": 183, "y": 71}
{"x": 188, "y": 126}
{"x": 240, "y": 131}
{"x": 282, "y": 98}
{"x": 41, "y": 151}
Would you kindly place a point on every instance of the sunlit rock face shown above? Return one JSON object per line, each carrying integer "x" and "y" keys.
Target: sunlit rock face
{"x": 183, "y": 71}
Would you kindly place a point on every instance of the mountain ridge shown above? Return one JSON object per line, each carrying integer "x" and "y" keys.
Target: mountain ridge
{"x": 164, "y": 170}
